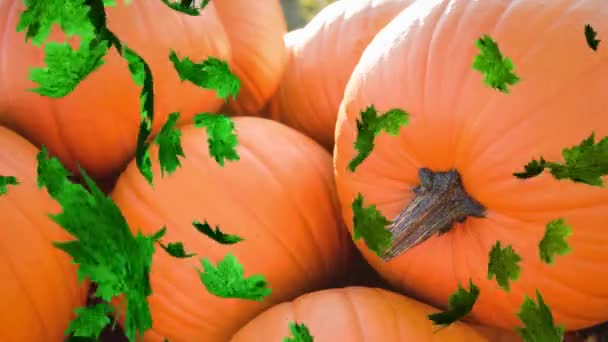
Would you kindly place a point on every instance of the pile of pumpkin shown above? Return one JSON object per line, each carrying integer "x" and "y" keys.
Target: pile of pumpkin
{"x": 418, "y": 136}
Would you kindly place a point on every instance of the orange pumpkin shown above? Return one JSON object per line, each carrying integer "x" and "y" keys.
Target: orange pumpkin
{"x": 255, "y": 30}
{"x": 279, "y": 197}
{"x": 39, "y": 288}
{"x": 96, "y": 125}
{"x": 322, "y": 56}
{"x": 422, "y": 63}
{"x": 360, "y": 314}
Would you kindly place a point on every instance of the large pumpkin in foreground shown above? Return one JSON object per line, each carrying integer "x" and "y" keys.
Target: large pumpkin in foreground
{"x": 255, "y": 30}
{"x": 39, "y": 289}
{"x": 96, "y": 125}
{"x": 361, "y": 314}
{"x": 422, "y": 63}
{"x": 321, "y": 57}
{"x": 279, "y": 197}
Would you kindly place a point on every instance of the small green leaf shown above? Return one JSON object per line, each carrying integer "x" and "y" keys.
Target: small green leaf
{"x": 460, "y": 304}
{"x": 210, "y": 74}
{"x": 504, "y": 265}
{"x": 66, "y": 68}
{"x": 590, "y": 36}
{"x": 217, "y": 234}
{"x": 142, "y": 75}
{"x": 370, "y": 224}
{"x": 220, "y": 136}
{"x": 538, "y": 322}
{"x": 186, "y": 6}
{"x": 176, "y": 250}
{"x": 73, "y": 16}
{"x": 104, "y": 247}
{"x": 497, "y": 71}
{"x": 90, "y": 321}
{"x": 170, "y": 145}
{"x": 370, "y": 126}
{"x": 299, "y": 333}
{"x": 554, "y": 241}
{"x": 228, "y": 281}
{"x": 585, "y": 163}
{"x": 6, "y": 181}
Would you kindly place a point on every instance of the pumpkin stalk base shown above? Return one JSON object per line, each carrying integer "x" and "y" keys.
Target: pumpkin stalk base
{"x": 440, "y": 201}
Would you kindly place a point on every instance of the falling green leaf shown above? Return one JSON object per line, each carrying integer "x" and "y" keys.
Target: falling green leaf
{"x": 504, "y": 265}
{"x": 104, "y": 247}
{"x": 299, "y": 333}
{"x": 460, "y": 304}
{"x": 211, "y": 74}
{"x": 370, "y": 126}
{"x": 554, "y": 241}
{"x": 90, "y": 321}
{"x": 5, "y": 181}
{"x": 497, "y": 70}
{"x": 66, "y": 68}
{"x": 228, "y": 281}
{"x": 176, "y": 250}
{"x": 186, "y": 6}
{"x": 538, "y": 322}
{"x": 170, "y": 145}
{"x": 220, "y": 136}
{"x": 585, "y": 163}
{"x": 590, "y": 36}
{"x": 216, "y": 234}
{"x": 370, "y": 224}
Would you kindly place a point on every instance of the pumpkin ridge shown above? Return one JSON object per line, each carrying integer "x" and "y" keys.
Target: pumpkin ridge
{"x": 64, "y": 270}
{"x": 256, "y": 217}
{"x": 26, "y": 293}
{"x": 346, "y": 293}
{"x": 4, "y": 60}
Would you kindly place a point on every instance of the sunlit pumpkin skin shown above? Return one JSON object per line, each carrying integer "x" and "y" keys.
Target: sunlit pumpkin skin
{"x": 255, "y": 30}
{"x": 359, "y": 314}
{"x": 280, "y": 197}
{"x": 459, "y": 123}
{"x": 96, "y": 125}
{"x": 321, "y": 57}
{"x": 39, "y": 288}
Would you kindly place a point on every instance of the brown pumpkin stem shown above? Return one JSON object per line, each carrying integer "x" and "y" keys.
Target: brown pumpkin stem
{"x": 440, "y": 200}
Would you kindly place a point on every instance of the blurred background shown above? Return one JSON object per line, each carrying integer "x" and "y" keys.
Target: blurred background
{"x": 299, "y": 12}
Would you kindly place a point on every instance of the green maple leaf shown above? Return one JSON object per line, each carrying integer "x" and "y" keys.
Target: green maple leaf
{"x": 73, "y": 16}
{"x": 538, "y": 322}
{"x": 590, "y": 36}
{"x": 5, "y": 181}
{"x": 504, "y": 265}
{"x": 170, "y": 145}
{"x": 299, "y": 333}
{"x": 584, "y": 163}
{"x": 210, "y": 74}
{"x": 497, "y": 70}
{"x": 66, "y": 68}
{"x": 220, "y": 136}
{"x": 142, "y": 76}
{"x": 228, "y": 281}
{"x": 217, "y": 235}
{"x": 554, "y": 241}
{"x": 186, "y": 6}
{"x": 460, "y": 304}
{"x": 104, "y": 247}
{"x": 370, "y": 224}
{"x": 370, "y": 126}
{"x": 90, "y": 321}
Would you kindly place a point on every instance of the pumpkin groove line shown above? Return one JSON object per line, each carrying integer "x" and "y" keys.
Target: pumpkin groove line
{"x": 349, "y": 300}
{"x": 46, "y": 239}
{"x": 265, "y": 168}
{"x": 26, "y": 293}
{"x": 334, "y": 203}
{"x": 388, "y": 302}
{"x": 4, "y": 59}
